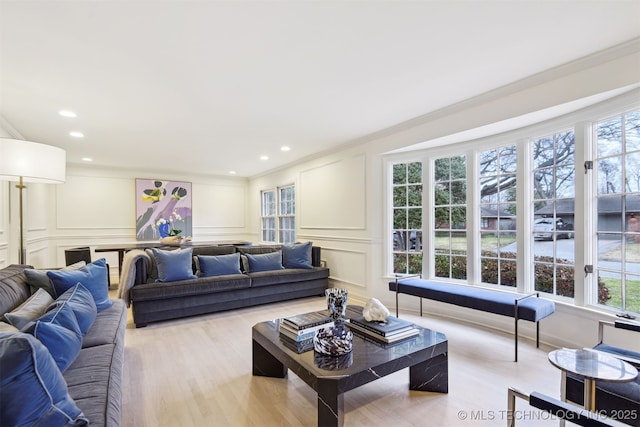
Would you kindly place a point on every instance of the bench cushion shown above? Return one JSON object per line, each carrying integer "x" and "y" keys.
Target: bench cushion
{"x": 489, "y": 300}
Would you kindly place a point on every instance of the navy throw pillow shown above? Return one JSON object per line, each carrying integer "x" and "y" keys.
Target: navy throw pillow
{"x": 297, "y": 255}
{"x": 32, "y": 389}
{"x": 81, "y": 302}
{"x": 219, "y": 265}
{"x": 58, "y": 330}
{"x": 265, "y": 262}
{"x": 94, "y": 277}
{"x": 174, "y": 265}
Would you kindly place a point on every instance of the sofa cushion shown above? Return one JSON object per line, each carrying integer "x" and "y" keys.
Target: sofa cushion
{"x": 173, "y": 265}
{"x": 81, "y": 302}
{"x": 108, "y": 326}
{"x": 94, "y": 277}
{"x": 7, "y": 327}
{"x": 202, "y": 285}
{"x": 58, "y": 330}
{"x": 297, "y": 255}
{"x": 289, "y": 275}
{"x": 265, "y": 262}
{"x": 34, "y": 307}
{"x": 218, "y": 265}
{"x": 32, "y": 389}
{"x": 38, "y": 279}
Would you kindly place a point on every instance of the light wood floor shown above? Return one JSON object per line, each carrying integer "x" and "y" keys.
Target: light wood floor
{"x": 197, "y": 372}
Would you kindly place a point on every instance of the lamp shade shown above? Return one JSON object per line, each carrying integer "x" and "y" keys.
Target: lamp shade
{"x": 32, "y": 161}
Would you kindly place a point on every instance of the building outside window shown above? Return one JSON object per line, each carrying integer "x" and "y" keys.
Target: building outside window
{"x": 278, "y": 217}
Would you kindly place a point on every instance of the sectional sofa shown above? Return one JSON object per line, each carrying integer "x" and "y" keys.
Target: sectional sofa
{"x": 61, "y": 347}
{"x": 217, "y": 278}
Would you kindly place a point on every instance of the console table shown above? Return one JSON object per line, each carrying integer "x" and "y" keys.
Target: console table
{"x": 425, "y": 355}
{"x": 592, "y": 365}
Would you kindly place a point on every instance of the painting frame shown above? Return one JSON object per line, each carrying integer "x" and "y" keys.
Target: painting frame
{"x": 163, "y": 207}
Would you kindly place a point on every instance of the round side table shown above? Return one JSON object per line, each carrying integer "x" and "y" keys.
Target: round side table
{"x": 591, "y": 365}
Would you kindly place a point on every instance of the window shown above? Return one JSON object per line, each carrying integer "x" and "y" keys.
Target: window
{"x": 505, "y": 210}
{"x": 280, "y": 223}
{"x": 450, "y": 214}
{"x": 497, "y": 170}
{"x": 407, "y": 218}
{"x": 617, "y": 175}
{"x": 553, "y": 190}
{"x": 269, "y": 216}
{"x": 287, "y": 215}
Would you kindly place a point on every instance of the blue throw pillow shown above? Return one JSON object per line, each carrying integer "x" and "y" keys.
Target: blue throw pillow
{"x": 58, "y": 330}
{"x": 174, "y": 265}
{"x": 297, "y": 255}
{"x": 32, "y": 389}
{"x": 94, "y": 277}
{"x": 81, "y": 302}
{"x": 219, "y": 265}
{"x": 265, "y": 262}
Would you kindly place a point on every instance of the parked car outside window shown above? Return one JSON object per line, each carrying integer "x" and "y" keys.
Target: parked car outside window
{"x": 546, "y": 229}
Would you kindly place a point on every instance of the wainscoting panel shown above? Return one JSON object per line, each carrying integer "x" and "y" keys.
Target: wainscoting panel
{"x": 348, "y": 266}
{"x": 333, "y": 196}
{"x": 88, "y": 202}
{"x": 219, "y": 206}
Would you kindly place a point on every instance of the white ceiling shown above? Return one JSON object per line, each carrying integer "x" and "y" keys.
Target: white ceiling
{"x": 210, "y": 86}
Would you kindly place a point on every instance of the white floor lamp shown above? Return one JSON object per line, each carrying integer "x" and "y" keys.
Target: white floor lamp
{"x": 26, "y": 161}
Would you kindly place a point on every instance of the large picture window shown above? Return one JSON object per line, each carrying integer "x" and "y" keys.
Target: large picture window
{"x": 407, "y": 218}
{"x": 617, "y": 172}
{"x": 553, "y": 190}
{"x": 498, "y": 196}
{"x": 450, "y": 214}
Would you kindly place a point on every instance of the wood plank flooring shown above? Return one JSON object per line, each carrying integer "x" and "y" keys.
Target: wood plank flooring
{"x": 197, "y": 372}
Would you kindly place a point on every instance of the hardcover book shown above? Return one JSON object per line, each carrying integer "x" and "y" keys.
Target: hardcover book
{"x": 392, "y": 326}
{"x": 308, "y": 320}
{"x": 407, "y": 333}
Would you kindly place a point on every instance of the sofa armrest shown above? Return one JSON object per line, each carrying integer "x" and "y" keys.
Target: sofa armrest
{"x": 141, "y": 272}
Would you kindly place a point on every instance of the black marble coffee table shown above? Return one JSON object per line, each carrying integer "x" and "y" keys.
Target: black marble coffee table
{"x": 425, "y": 355}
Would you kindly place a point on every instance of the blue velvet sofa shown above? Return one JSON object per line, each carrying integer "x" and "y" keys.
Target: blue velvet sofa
{"x": 61, "y": 355}
{"x": 247, "y": 283}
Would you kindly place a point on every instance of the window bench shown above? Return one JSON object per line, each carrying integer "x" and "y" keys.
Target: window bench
{"x": 519, "y": 306}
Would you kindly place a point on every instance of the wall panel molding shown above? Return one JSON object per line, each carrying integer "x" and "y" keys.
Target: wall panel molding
{"x": 346, "y": 265}
{"x": 322, "y": 207}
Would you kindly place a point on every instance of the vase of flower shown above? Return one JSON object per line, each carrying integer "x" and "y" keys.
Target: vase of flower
{"x": 336, "y": 340}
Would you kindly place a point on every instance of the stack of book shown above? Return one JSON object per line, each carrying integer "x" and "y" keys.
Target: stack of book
{"x": 391, "y": 331}
{"x": 297, "y": 332}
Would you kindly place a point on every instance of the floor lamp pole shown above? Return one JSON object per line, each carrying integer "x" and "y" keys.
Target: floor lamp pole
{"x": 22, "y": 255}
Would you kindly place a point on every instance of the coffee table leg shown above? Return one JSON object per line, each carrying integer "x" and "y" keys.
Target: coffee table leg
{"x": 430, "y": 375}
{"x": 265, "y": 365}
{"x": 330, "y": 405}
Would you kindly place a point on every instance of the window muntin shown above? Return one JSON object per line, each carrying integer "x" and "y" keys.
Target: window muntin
{"x": 407, "y": 218}
{"x": 450, "y": 216}
{"x": 553, "y": 188}
{"x": 617, "y": 181}
{"x": 497, "y": 210}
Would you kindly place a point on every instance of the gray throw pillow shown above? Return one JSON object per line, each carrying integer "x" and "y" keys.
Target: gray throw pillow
{"x": 38, "y": 279}
{"x": 30, "y": 310}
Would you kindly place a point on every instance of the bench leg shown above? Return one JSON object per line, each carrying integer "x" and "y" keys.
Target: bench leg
{"x": 516, "y": 338}
{"x": 420, "y": 306}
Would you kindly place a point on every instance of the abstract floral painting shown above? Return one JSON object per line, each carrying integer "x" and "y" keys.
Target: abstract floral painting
{"x": 163, "y": 208}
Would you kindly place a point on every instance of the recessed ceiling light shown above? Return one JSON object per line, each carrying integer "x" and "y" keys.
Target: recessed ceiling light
{"x": 67, "y": 113}
{"x": 285, "y": 148}
{"x": 76, "y": 134}
{"x": 264, "y": 157}
{"x": 87, "y": 159}
{"x": 232, "y": 172}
